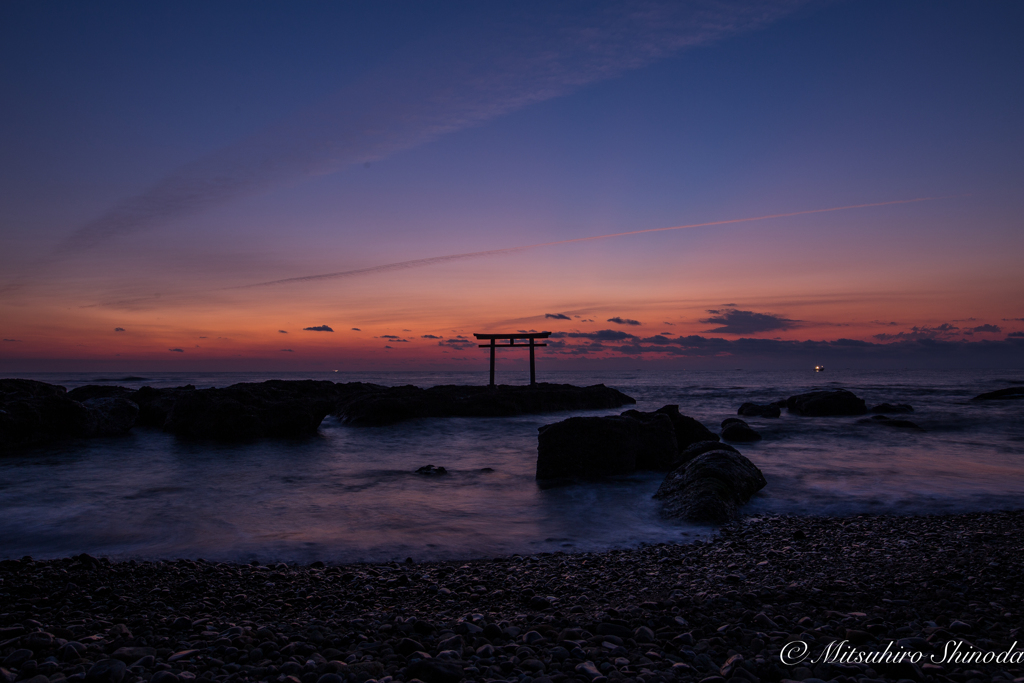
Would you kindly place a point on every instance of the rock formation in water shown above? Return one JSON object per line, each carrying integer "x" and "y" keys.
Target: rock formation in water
{"x": 735, "y": 429}
{"x": 591, "y": 447}
{"x": 34, "y": 413}
{"x": 756, "y": 410}
{"x": 826, "y": 403}
{"x": 1001, "y": 394}
{"x": 711, "y": 487}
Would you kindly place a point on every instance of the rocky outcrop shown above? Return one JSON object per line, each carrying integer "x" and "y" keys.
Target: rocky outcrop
{"x": 34, "y": 413}
{"x": 886, "y": 421}
{"x": 1001, "y": 394}
{"x": 376, "y": 405}
{"x": 688, "y": 430}
{"x": 114, "y": 415}
{"x": 242, "y": 412}
{"x": 892, "y": 408}
{"x": 737, "y": 430}
{"x": 826, "y": 404}
{"x": 710, "y": 488}
{"x": 756, "y": 410}
{"x": 592, "y": 447}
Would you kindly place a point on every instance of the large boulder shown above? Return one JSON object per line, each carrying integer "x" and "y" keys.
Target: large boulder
{"x": 277, "y": 408}
{"x": 688, "y": 430}
{"x": 592, "y": 447}
{"x": 369, "y": 405}
{"x": 737, "y": 430}
{"x": 710, "y": 488}
{"x": 756, "y": 410}
{"x": 826, "y": 403}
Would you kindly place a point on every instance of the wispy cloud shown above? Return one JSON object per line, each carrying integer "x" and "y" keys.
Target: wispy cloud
{"x": 557, "y": 316}
{"x": 470, "y": 77}
{"x": 318, "y": 328}
{"x": 623, "y": 321}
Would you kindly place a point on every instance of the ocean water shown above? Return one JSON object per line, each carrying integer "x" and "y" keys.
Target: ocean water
{"x": 352, "y": 494}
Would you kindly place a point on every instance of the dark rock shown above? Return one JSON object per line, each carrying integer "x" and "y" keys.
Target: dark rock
{"x": 700, "y": 448}
{"x": 739, "y": 431}
{"x": 91, "y": 391}
{"x": 890, "y": 408}
{"x": 39, "y": 641}
{"x": 17, "y": 658}
{"x": 130, "y": 654}
{"x": 1001, "y": 394}
{"x": 711, "y": 487}
{"x": 113, "y": 415}
{"x": 106, "y": 671}
{"x": 164, "y": 677}
{"x": 276, "y": 408}
{"x": 688, "y": 430}
{"x": 376, "y": 405}
{"x": 326, "y": 678}
{"x": 658, "y": 446}
{"x": 887, "y": 421}
{"x": 609, "y": 629}
{"x": 33, "y": 413}
{"x": 435, "y": 671}
{"x": 406, "y": 646}
{"x": 826, "y": 403}
{"x": 430, "y": 470}
{"x": 755, "y": 410}
{"x": 156, "y": 404}
{"x": 588, "y": 447}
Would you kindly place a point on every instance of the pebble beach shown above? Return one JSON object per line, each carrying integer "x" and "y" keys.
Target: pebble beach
{"x": 768, "y": 598}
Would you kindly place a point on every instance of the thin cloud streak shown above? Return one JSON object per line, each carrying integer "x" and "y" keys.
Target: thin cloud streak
{"x": 445, "y": 83}
{"x": 434, "y": 260}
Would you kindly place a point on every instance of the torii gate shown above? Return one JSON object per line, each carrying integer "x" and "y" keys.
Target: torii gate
{"x": 532, "y": 336}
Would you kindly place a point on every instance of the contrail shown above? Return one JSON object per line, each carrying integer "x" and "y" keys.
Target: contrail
{"x": 433, "y": 260}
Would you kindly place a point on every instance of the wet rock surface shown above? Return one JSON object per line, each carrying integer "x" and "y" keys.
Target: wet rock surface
{"x": 826, "y": 403}
{"x": 387, "y": 405}
{"x": 589, "y": 447}
{"x": 721, "y": 610}
{"x": 711, "y": 487}
{"x": 592, "y": 447}
{"x": 737, "y": 430}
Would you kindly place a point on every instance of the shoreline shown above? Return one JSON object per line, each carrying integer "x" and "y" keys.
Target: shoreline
{"x": 660, "y": 612}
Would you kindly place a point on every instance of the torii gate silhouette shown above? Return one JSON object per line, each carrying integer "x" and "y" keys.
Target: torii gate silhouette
{"x": 532, "y": 336}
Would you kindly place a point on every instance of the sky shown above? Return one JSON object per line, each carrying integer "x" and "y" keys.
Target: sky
{"x": 357, "y": 186}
